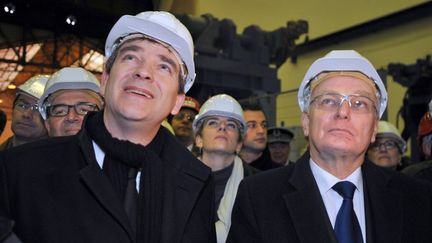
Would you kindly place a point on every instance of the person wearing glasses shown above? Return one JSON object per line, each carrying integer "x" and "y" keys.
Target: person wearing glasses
{"x": 27, "y": 124}
{"x": 69, "y": 95}
{"x": 219, "y": 128}
{"x": 182, "y": 121}
{"x": 388, "y": 148}
{"x": 123, "y": 178}
{"x": 333, "y": 193}
{"x": 254, "y": 150}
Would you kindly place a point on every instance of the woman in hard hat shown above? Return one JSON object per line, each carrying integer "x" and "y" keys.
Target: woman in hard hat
{"x": 388, "y": 148}
{"x": 219, "y": 128}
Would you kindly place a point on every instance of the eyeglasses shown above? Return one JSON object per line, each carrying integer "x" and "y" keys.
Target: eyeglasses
{"x": 254, "y": 124}
{"x": 359, "y": 104}
{"x": 180, "y": 116}
{"x": 24, "y": 106}
{"x": 388, "y": 145}
{"x": 216, "y": 124}
{"x": 81, "y": 108}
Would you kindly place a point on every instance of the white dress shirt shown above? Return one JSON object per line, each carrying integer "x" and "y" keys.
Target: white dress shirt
{"x": 333, "y": 201}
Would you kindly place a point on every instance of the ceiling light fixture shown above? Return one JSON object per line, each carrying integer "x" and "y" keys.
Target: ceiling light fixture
{"x": 71, "y": 20}
{"x": 9, "y": 8}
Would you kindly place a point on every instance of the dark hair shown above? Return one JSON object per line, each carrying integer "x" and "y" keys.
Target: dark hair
{"x": 252, "y": 107}
{"x": 110, "y": 61}
{"x": 3, "y": 119}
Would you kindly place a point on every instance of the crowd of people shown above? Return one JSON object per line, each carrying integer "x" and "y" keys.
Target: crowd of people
{"x": 89, "y": 160}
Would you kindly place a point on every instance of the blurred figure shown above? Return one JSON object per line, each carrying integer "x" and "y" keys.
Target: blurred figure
{"x": 69, "y": 95}
{"x": 254, "y": 150}
{"x": 423, "y": 170}
{"x": 219, "y": 128}
{"x": 3, "y": 120}
{"x": 182, "y": 121}
{"x": 278, "y": 143}
{"x": 27, "y": 123}
{"x": 388, "y": 148}
{"x": 424, "y": 136}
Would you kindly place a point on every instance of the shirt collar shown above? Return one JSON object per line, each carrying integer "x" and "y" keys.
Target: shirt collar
{"x": 326, "y": 181}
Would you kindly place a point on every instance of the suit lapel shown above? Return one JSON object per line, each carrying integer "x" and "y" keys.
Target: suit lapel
{"x": 304, "y": 203}
{"x": 98, "y": 185}
{"x": 383, "y": 206}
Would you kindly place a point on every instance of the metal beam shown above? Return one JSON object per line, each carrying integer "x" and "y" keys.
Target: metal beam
{"x": 390, "y": 21}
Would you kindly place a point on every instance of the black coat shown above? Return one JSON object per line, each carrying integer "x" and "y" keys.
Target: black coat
{"x": 285, "y": 205}
{"x": 55, "y": 192}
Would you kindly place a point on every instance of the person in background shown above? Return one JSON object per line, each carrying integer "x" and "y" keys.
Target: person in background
{"x": 123, "y": 178}
{"x": 27, "y": 123}
{"x": 182, "y": 121}
{"x": 3, "y": 120}
{"x": 219, "y": 128}
{"x": 388, "y": 148}
{"x": 279, "y": 139}
{"x": 69, "y": 95}
{"x": 254, "y": 150}
{"x": 423, "y": 170}
{"x": 333, "y": 193}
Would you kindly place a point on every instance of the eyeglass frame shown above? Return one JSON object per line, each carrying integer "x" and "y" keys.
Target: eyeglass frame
{"x": 219, "y": 123}
{"x": 388, "y": 145}
{"x": 49, "y": 107}
{"x": 342, "y": 99}
{"x": 181, "y": 115}
{"x": 26, "y": 106}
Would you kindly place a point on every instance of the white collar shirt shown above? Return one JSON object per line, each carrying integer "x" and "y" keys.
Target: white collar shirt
{"x": 333, "y": 201}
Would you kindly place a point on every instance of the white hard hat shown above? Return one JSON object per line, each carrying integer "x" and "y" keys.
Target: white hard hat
{"x": 159, "y": 25}
{"x": 221, "y": 105}
{"x": 34, "y": 86}
{"x": 386, "y": 129}
{"x": 68, "y": 78}
{"x": 344, "y": 60}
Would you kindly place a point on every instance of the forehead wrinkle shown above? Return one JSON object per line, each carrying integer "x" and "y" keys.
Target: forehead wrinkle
{"x": 129, "y": 47}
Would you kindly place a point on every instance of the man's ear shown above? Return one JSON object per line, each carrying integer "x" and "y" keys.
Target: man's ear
{"x": 305, "y": 123}
{"x": 178, "y": 104}
{"x": 375, "y": 131}
{"x": 47, "y": 126}
{"x": 104, "y": 80}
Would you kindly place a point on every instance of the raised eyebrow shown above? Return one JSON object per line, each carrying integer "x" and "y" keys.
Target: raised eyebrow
{"x": 168, "y": 60}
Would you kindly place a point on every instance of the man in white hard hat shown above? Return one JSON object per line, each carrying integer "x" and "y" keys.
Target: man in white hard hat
{"x": 123, "y": 177}
{"x": 69, "y": 95}
{"x": 27, "y": 124}
{"x": 219, "y": 128}
{"x": 388, "y": 148}
{"x": 333, "y": 193}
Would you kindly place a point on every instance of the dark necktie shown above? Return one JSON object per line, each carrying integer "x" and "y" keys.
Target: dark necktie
{"x": 347, "y": 227}
{"x": 131, "y": 198}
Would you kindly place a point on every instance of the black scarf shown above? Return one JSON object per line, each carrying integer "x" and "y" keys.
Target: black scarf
{"x": 120, "y": 156}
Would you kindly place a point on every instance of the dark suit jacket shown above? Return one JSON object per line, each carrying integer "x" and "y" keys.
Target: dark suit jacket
{"x": 284, "y": 205}
{"x": 55, "y": 192}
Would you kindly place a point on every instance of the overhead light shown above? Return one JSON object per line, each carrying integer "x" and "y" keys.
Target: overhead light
{"x": 9, "y": 8}
{"x": 71, "y": 20}
{"x": 11, "y": 86}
